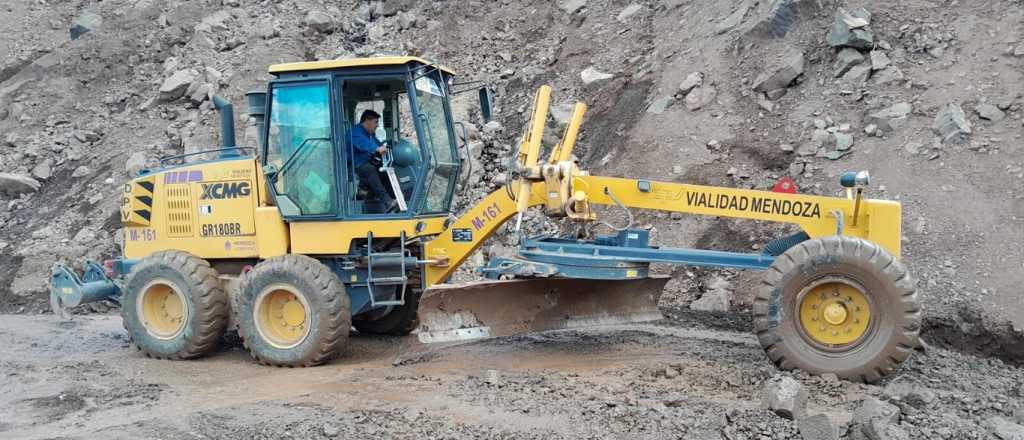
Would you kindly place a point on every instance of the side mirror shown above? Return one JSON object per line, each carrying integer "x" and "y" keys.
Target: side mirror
{"x": 485, "y": 103}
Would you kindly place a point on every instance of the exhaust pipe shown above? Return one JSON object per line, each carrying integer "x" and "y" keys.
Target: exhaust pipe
{"x": 227, "y": 127}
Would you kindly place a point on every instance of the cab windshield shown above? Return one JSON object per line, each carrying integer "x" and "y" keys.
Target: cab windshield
{"x": 432, "y": 116}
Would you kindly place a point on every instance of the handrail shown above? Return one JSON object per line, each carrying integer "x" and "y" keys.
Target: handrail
{"x": 196, "y": 153}
{"x": 295, "y": 153}
{"x": 469, "y": 155}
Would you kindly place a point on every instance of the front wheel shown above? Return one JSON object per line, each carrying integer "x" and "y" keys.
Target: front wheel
{"x": 399, "y": 321}
{"x": 839, "y": 305}
{"x": 293, "y": 312}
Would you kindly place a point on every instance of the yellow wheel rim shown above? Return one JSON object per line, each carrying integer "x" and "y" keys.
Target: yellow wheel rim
{"x": 163, "y": 309}
{"x": 282, "y": 316}
{"x": 835, "y": 313}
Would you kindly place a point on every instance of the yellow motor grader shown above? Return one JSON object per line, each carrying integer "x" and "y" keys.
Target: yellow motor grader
{"x": 286, "y": 243}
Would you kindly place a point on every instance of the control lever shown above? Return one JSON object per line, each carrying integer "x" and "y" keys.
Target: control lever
{"x": 387, "y": 160}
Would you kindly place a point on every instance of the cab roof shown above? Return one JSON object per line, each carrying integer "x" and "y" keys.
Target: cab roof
{"x": 351, "y": 62}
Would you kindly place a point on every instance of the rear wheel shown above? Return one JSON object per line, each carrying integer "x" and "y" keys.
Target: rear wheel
{"x": 293, "y": 312}
{"x": 174, "y": 306}
{"x": 838, "y": 305}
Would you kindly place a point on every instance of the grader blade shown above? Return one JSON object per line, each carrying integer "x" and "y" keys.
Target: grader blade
{"x": 507, "y": 307}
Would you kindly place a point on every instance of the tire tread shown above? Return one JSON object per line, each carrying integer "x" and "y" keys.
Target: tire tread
{"x": 787, "y": 350}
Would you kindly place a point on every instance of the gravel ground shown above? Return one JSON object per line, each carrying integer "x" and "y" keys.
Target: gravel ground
{"x": 672, "y": 379}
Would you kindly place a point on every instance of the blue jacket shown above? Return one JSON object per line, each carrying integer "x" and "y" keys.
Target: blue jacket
{"x": 364, "y": 145}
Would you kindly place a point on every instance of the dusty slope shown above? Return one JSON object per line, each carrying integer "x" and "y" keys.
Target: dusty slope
{"x": 76, "y": 114}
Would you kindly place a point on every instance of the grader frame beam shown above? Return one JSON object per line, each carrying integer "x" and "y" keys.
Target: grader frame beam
{"x": 565, "y": 190}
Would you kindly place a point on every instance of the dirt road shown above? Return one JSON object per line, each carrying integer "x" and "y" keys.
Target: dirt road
{"x": 83, "y": 380}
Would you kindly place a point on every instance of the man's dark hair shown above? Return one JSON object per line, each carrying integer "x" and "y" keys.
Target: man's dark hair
{"x": 369, "y": 115}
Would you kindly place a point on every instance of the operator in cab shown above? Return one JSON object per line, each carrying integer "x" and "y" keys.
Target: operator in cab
{"x": 364, "y": 147}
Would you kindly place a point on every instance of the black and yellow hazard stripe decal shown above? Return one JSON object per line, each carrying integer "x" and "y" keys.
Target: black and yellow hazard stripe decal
{"x": 137, "y": 205}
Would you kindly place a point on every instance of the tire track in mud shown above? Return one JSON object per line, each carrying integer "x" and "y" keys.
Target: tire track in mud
{"x": 679, "y": 375}
{"x": 968, "y": 333}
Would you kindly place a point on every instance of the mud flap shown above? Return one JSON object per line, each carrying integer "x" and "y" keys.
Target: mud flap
{"x": 507, "y": 307}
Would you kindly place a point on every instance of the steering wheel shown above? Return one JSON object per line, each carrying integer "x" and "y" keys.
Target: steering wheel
{"x": 379, "y": 160}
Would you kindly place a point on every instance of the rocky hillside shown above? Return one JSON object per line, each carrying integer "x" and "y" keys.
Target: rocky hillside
{"x": 924, "y": 94}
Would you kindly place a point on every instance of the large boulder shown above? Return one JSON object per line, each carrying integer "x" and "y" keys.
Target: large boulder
{"x": 890, "y": 118}
{"x": 879, "y": 60}
{"x": 882, "y": 430}
{"x": 785, "y": 396}
{"x": 888, "y": 75}
{"x": 407, "y": 20}
{"x": 858, "y": 75}
{"x": 215, "y": 23}
{"x": 716, "y": 299}
{"x": 695, "y": 79}
{"x": 176, "y": 85}
{"x": 135, "y": 163}
{"x": 85, "y": 23}
{"x": 571, "y": 6}
{"x": 916, "y": 396}
{"x": 199, "y": 92}
{"x": 591, "y": 75}
{"x": 846, "y": 59}
{"x": 843, "y": 141}
{"x": 320, "y": 21}
{"x": 10, "y": 140}
{"x": 989, "y": 112}
{"x": 817, "y": 427}
{"x": 86, "y": 136}
{"x": 951, "y": 125}
{"x": 268, "y": 29}
{"x": 701, "y": 97}
{"x": 873, "y": 409}
{"x": 43, "y": 170}
{"x": 629, "y": 12}
{"x": 734, "y": 19}
{"x": 848, "y": 30}
{"x": 660, "y": 105}
{"x": 712, "y": 301}
{"x": 780, "y": 72}
{"x": 1004, "y": 429}
{"x": 780, "y": 17}
{"x": 14, "y": 185}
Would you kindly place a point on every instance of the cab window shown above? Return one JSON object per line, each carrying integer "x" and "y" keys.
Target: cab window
{"x": 299, "y": 145}
{"x": 388, "y": 98}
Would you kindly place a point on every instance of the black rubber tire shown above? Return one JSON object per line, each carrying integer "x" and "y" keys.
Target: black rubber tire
{"x": 896, "y": 315}
{"x": 205, "y": 299}
{"x": 400, "y": 321}
{"x": 330, "y": 318}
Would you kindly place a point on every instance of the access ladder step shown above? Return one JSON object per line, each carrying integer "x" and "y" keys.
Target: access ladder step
{"x": 387, "y": 254}
{"x": 384, "y": 281}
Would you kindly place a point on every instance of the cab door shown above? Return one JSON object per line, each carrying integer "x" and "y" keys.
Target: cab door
{"x": 433, "y": 120}
{"x": 301, "y": 150}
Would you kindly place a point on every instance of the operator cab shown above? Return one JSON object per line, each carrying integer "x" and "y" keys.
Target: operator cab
{"x": 312, "y": 120}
